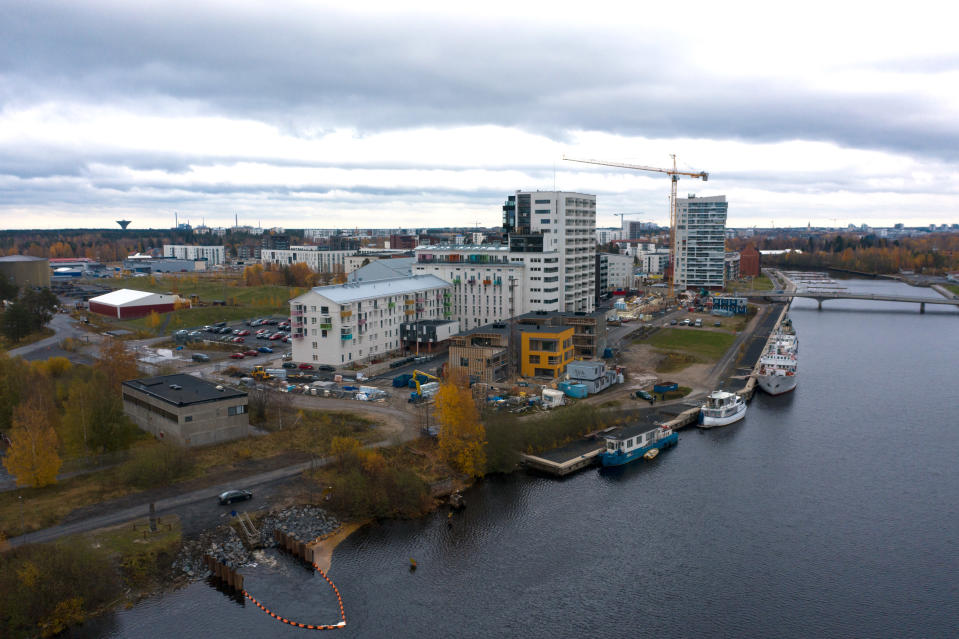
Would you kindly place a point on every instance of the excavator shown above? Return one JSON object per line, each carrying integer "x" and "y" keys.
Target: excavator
{"x": 418, "y": 395}
{"x": 259, "y": 373}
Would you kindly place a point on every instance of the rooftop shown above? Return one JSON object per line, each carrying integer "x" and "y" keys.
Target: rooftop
{"x": 537, "y": 328}
{"x": 357, "y": 291}
{"x": 182, "y": 389}
{"x": 22, "y": 258}
{"x": 121, "y": 296}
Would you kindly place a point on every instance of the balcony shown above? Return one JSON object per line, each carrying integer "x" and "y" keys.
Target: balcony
{"x": 410, "y": 311}
{"x": 346, "y": 336}
{"x": 410, "y": 302}
{"x": 391, "y": 305}
{"x": 346, "y": 314}
{"x": 296, "y": 313}
{"x": 361, "y": 322}
{"x": 326, "y": 327}
{"x": 457, "y": 281}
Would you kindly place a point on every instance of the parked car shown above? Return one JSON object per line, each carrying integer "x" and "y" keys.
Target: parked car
{"x": 641, "y": 394}
{"x": 265, "y": 349}
{"x": 208, "y": 328}
{"x": 201, "y": 357}
{"x": 717, "y": 323}
{"x": 287, "y": 356}
{"x": 231, "y": 496}
{"x": 673, "y": 322}
{"x": 325, "y": 367}
{"x": 220, "y": 324}
{"x": 223, "y": 330}
{"x": 195, "y": 334}
{"x": 243, "y": 333}
{"x": 272, "y": 322}
{"x": 306, "y": 367}
{"x": 238, "y": 340}
{"x": 289, "y": 365}
{"x": 276, "y": 336}
{"x": 286, "y": 339}
{"x": 237, "y": 355}
{"x": 685, "y": 322}
{"x": 250, "y": 353}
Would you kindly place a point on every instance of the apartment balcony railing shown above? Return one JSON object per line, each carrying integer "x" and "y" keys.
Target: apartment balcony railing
{"x": 345, "y": 314}
{"x": 346, "y": 336}
{"x": 326, "y": 327}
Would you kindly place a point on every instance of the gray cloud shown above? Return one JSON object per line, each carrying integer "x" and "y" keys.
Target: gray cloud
{"x": 307, "y": 72}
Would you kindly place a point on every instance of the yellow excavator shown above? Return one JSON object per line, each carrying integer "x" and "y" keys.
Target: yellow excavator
{"x": 259, "y": 373}
{"x": 416, "y": 381}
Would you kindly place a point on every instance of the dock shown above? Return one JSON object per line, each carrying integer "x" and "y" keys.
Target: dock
{"x": 584, "y": 452}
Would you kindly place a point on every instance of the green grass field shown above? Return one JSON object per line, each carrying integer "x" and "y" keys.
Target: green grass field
{"x": 761, "y": 283}
{"x": 242, "y": 301}
{"x": 683, "y": 347}
{"x": 953, "y": 287}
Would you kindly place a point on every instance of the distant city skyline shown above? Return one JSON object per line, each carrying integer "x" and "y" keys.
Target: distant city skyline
{"x": 312, "y": 115}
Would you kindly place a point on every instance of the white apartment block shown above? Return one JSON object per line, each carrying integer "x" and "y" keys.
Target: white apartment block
{"x": 317, "y": 258}
{"x": 351, "y": 322}
{"x": 607, "y": 235}
{"x": 700, "y": 242}
{"x": 212, "y": 254}
{"x": 654, "y": 262}
{"x": 619, "y": 271}
{"x": 567, "y": 223}
{"x": 491, "y": 283}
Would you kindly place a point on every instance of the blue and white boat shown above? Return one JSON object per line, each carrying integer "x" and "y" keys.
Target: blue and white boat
{"x": 635, "y": 442}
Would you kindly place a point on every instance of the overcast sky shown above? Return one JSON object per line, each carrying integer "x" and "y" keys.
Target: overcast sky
{"x": 314, "y": 115}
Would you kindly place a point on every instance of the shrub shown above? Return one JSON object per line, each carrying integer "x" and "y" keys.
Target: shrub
{"x": 156, "y": 465}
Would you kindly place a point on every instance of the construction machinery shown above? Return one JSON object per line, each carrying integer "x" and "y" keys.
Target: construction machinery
{"x": 673, "y": 174}
{"x": 259, "y": 373}
{"x": 415, "y": 381}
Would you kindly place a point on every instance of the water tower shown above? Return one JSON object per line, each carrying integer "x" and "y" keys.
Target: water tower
{"x": 123, "y": 224}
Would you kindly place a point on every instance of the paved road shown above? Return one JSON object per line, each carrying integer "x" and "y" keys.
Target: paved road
{"x": 63, "y": 326}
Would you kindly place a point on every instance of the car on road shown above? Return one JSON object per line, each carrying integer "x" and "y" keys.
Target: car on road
{"x": 306, "y": 367}
{"x": 237, "y": 355}
{"x": 201, "y": 357}
{"x": 326, "y": 367}
{"x": 250, "y": 353}
{"x": 289, "y": 365}
{"x": 231, "y": 496}
{"x": 265, "y": 349}
{"x": 673, "y": 322}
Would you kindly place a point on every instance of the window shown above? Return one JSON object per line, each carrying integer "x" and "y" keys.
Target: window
{"x": 464, "y": 361}
{"x": 235, "y": 410}
{"x": 323, "y": 335}
{"x": 188, "y": 418}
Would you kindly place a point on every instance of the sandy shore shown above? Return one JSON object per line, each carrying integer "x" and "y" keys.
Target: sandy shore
{"x": 323, "y": 548}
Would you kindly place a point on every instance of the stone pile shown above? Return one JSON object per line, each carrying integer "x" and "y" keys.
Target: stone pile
{"x": 225, "y": 544}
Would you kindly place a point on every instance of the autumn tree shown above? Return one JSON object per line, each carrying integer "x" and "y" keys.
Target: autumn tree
{"x": 33, "y": 457}
{"x": 462, "y": 436}
{"x": 93, "y": 419}
{"x": 117, "y": 363}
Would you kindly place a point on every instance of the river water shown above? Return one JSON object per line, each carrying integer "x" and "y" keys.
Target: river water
{"x": 829, "y": 512}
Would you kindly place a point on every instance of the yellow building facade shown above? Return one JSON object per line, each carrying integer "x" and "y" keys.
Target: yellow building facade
{"x": 545, "y": 350}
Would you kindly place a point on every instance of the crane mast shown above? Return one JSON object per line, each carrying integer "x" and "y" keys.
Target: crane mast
{"x": 673, "y": 174}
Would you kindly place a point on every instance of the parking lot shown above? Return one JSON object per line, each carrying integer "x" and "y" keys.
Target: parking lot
{"x": 242, "y": 346}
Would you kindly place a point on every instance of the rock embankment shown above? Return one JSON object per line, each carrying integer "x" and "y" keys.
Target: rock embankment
{"x": 233, "y": 544}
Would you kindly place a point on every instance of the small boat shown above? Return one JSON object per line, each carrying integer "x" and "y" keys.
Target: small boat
{"x": 634, "y": 442}
{"x": 721, "y": 408}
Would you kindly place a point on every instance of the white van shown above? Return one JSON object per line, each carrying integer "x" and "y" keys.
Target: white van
{"x": 698, "y": 323}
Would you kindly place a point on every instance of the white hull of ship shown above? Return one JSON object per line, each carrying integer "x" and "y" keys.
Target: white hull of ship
{"x": 777, "y": 384}
{"x": 712, "y": 422}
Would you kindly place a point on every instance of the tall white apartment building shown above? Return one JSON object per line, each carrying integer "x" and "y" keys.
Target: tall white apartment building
{"x": 560, "y": 221}
{"x": 700, "y": 243}
{"x": 212, "y": 254}
{"x": 491, "y": 283}
{"x": 351, "y": 322}
{"x": 317, "y": 258}
{"x": 619, "y": 271}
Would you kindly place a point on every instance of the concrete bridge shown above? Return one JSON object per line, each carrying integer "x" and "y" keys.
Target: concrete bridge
{"x": 821, "y": 296}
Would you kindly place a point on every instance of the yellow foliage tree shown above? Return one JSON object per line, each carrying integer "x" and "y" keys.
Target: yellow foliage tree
{"x": 33, "y": 457}
{"x": 462, "y": 436}
{"x": 117, "y": 363}
{"x": 154, "y": 320}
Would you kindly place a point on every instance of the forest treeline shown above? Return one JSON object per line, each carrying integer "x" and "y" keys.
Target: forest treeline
{"x": 932, "y": 253}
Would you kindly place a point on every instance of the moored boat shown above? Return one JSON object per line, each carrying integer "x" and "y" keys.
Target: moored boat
{"x": 633, "y": 442}
{"x": 721, "y": 408}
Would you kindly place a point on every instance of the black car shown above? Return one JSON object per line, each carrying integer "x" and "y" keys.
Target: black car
{"x": 289, "y": 365}
{"x": 325, "y": 367}
{"x": 231, "y": 496}
{"x": 218, "y": 324}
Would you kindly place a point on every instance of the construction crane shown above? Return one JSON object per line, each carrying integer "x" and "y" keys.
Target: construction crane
{"x": 674, "y": 174}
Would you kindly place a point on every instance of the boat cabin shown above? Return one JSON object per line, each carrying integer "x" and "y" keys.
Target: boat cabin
{"x": 635, "y": 437}
{"x": 721, "y": 404}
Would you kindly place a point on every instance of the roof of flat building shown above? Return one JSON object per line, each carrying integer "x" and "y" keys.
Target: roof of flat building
{"x": 538, "y": 328}
{"x": 122, "y": 296}
{"x": 22, "y": 258}
{"x": 357, "y": 291}
{"x": 182, "y": 389}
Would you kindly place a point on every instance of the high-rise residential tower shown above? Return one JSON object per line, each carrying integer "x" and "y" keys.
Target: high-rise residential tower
{"x": 700, "y": 242}
{"x": 546, "y": 221}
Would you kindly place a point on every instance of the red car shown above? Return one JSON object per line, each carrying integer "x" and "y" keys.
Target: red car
{"x": 243, "y": 333}
{"x": 238, "y": 340}
{"x": 237, "y": 355}
{"x": 250, "y": 353}
{"x": 276, "y": 336}
{"x": 306, "y": 367}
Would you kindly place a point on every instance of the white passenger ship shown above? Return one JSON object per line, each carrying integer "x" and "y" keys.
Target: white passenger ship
{"x": 721, "y": 408}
